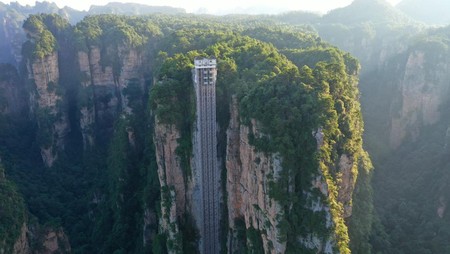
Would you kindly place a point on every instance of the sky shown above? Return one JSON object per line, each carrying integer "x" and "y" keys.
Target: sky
{"x": 219, "y": 6}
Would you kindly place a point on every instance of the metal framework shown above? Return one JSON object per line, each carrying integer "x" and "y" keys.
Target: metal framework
{"x": 204, "y": 75}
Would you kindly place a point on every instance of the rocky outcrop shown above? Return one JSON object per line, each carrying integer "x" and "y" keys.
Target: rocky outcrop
{"x": 22, "y": 245}
{"x": 38, "y": 240}
{"x": 55, "y": 241}
{"x": 248, "y": 176}
{"x": 50, "y": 240}
{"x": 346, "y": 178}
{"x": 423, "y": 89}
{"x": 47, "y": 105}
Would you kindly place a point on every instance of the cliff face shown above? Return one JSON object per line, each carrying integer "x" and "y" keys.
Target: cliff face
{"x": 414, "y": 73}
{"x": 346, "y": 178}
{"x": 53, "y": 241}
{"x": 45, "y": 73}
{"x": 171, "y": 178}
{"x": 423, "y": 90}
{"x": 169, "y": 168}
{"x": 103, "y": 96}
{"x": 47, "y": 104}
{"x": 248, "y": 176}
{"x": 417, "y": 133}
{"x": 22, "y": 245}
{"x": 50, "y": 241}
{"x": 12, "y": 94}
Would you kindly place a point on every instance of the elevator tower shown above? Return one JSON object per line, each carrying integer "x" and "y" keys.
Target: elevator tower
{"x": 204, "y": 75}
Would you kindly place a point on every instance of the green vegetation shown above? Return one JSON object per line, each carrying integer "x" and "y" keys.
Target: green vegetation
{"x": 284, "y": 77}
{"x": 325, "y": 100}
{"x": 254, "y": 241}
{"x": 404, "y": 214}
{"x": 114, "y": 34}
{"x": 12, "y": 213}
{"x": 289, "y": 104}
{"x": 111, "y": 30}
{"x": 45, "y": 32}
{"x": 44, "y": 29}
{"x": 287, "y": 80}
{"x": 361, "y": 222}
{"x": 173, "y": 101}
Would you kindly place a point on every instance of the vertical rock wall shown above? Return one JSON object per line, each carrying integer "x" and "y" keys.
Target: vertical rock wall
{"x": 86, "y": 100}
{"x": 248, "y": 176}
{"x": 12, "y": 94}
{"x": 47, "y": 104}
{"x": 173, "y": 188}
{"x": 169, "y": 168}
{"x": 423, "y": 89}
{"x": 102, "y": 96}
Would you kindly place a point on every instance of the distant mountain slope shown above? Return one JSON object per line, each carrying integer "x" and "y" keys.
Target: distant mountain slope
{"x": 298, "y": 17}
{"x": 133, "y": 9}
{"x": 435, "y": 12}
{"x": 376, "y": 11}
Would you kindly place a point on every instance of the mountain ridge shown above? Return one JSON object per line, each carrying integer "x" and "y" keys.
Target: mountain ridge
{"x": 359, "y": 11}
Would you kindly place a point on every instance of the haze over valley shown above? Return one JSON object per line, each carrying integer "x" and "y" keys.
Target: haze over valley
{"x": 217, "y": 7}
